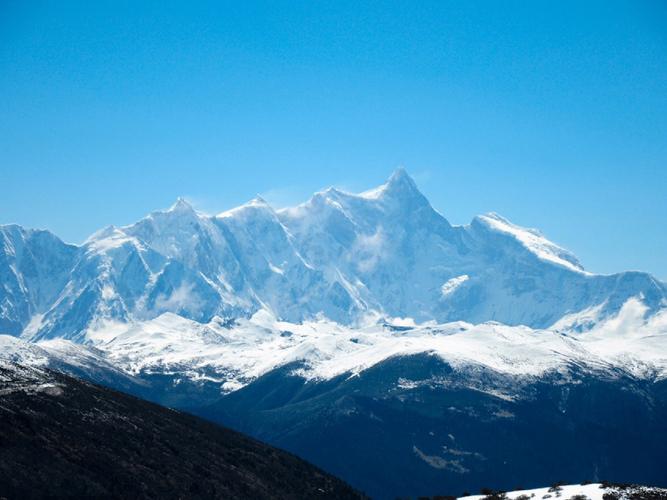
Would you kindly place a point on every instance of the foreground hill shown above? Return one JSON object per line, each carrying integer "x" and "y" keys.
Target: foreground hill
{"x": 62, "y": 437}
{"x": 418, "y": 424}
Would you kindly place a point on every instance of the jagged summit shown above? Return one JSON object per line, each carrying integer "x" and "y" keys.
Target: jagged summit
{"x": 257, "y": 203}
{"x": 398, "y": 194}
{"x": 531, "y": 239}
{"x": 347, "y": 257}
{"x": 399, "y": 186}
{"x": 105, "y": 232}
{"x": 181, "y": 205}
{"x": 400, "y": 179}
{"x": 258, "y": 200}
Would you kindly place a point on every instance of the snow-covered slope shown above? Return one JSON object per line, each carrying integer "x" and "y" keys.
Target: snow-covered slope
{"x": 350, "y": 259}
{"x": 34, "y": 266}
{"x": 68, "y": 357}
{"x": 593, "y": 491}
{"x": 401, "y": 257}
{"x": 233, "y": 354}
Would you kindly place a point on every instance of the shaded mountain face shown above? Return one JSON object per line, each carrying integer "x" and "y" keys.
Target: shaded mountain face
{"x": 415, "y": 426}
{"x": 34, "y": 269}
{"x": 349, "y": 258}
{"x": 62, "y": 437}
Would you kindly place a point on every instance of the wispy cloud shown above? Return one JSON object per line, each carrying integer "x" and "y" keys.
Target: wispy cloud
{"x": 283, "y": 197}
{"x": 181, "y": 299}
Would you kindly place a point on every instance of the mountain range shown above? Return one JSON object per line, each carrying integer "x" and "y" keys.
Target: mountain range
{"x": 363, "y": 332}
{"x": 348, "y": 258}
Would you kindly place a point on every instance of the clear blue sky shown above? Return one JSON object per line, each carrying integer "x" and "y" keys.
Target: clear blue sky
{"x": 553, "y": 114}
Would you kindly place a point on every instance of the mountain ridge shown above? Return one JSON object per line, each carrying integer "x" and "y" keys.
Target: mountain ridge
{"x": 347, "y": 257}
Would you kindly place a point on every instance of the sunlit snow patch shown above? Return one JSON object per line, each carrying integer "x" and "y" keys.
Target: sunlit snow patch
{"x": 451, "y": 285}
{"x": 534, "y": 241}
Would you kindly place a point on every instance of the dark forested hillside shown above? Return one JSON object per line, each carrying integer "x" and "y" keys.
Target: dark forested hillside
{"x": 62, "y": 437}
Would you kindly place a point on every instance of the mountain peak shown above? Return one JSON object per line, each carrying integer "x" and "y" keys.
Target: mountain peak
{"x": 181, "y": 205}
{"x": 105, "y": 232}
{"x": 257, "y": 203}
{"x": 532, "y": 239}
{"x": 400, "y": 176}
{"x": 399, "y": 186}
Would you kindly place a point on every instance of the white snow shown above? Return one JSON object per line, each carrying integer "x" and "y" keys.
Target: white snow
{"x": 18, "y": 351}
{"x": 331, "y": 272}
{"x": 450, "y": 286}
{"x": 252, "y": 347}
{"x": 109, "y": 239}
{"x": 592, "y": 491}
{"x": 533, "y": 241}
{"x": 257, "y": 202}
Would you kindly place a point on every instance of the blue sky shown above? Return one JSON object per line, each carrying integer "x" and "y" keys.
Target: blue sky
{"x": 553, "y": 114}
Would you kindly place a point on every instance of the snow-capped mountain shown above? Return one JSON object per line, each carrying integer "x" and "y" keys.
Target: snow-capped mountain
{"x": 34, "y": 269}
{"x": 354, "y": 317}
{"x": 340, "y": 283}
{"x": 384, "y": 253}
{"x": 402, "y": 258}
{"x": 232, "y": 355}
{"x": 65, "y": 356}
